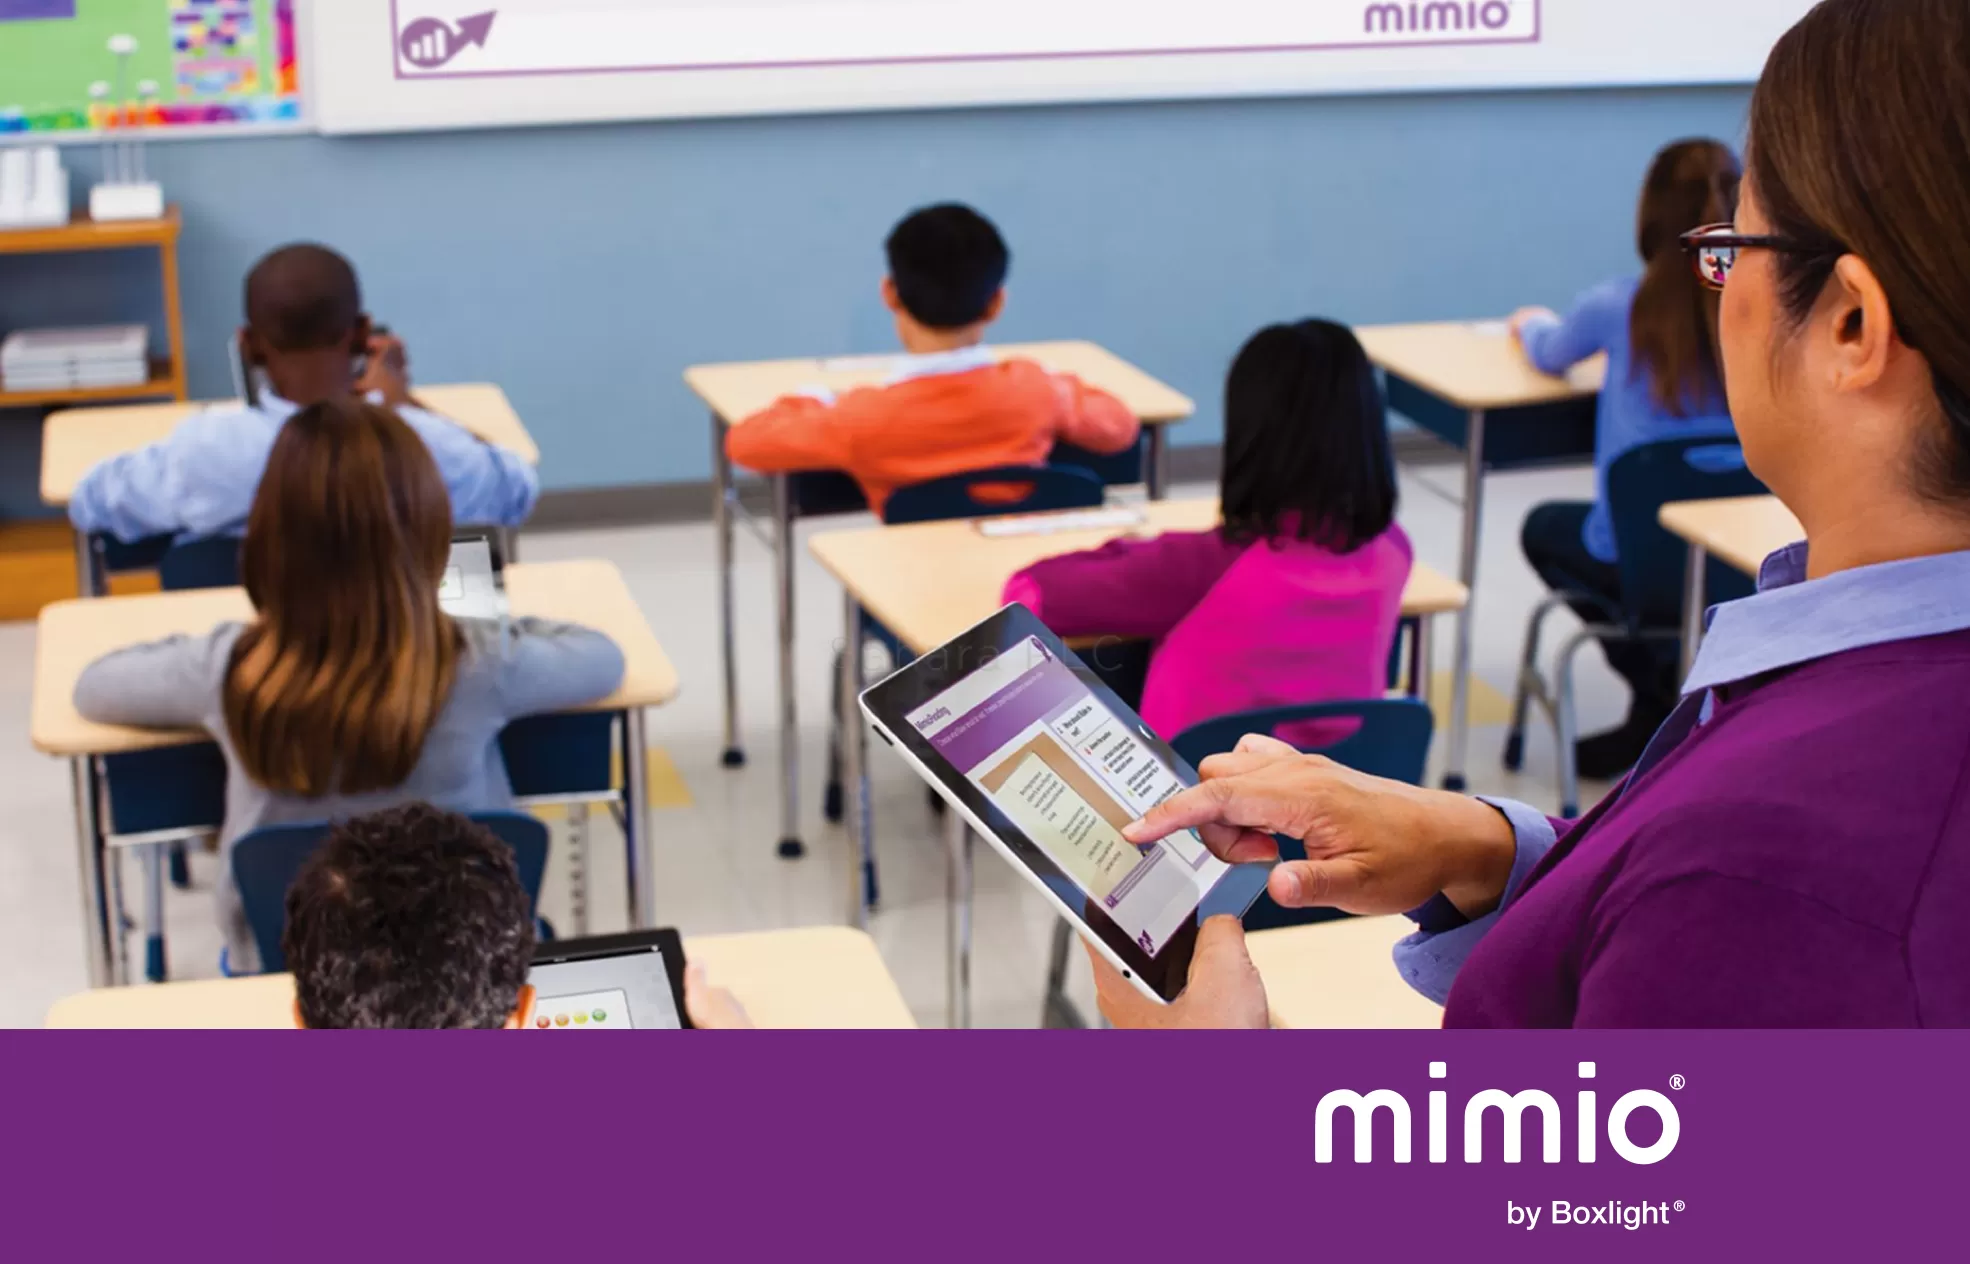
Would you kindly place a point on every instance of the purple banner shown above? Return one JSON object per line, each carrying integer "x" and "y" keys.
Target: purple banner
{"x": 962, "y": 1146}
{"x": 23, "y": 10}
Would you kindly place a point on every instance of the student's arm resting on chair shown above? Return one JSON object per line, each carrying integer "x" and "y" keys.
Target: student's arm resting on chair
{"x": 1091, "y": 418}
{"x": 1556, "y": 344}
{"x": 1126, "y": 588}
{"x": 802, "y": 432}
{"x": 192, "y": 480}
{"x": 489, "y": 485}
{"x": 547, "y": 666}
{"x": 168, "y": 684}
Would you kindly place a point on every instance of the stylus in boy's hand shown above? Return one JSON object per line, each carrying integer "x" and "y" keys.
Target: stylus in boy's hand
{"x": 1224, "y": 993}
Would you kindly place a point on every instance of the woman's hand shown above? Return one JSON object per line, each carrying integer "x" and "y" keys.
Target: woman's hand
{"x": 1373, "y": 846}
{"x": 1224, "y": 990}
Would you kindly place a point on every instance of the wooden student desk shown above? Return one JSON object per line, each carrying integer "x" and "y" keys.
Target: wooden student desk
{"x": 75, "y": 441}
{"x": 1741, "y": 532}
{"x": 929, "y": 582}
{"x": 73, "y": 634}
{"x": 1340, "y": 975}
{"x": 1471, "y": 386}
{"x": 734, "y": 392}
{"x": 828, "y": 977}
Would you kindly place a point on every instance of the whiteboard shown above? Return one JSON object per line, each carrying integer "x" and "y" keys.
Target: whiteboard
{"x": 386, "y": 65}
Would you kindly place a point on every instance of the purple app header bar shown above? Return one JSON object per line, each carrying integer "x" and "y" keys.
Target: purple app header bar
{"x": 1039, "y": 694}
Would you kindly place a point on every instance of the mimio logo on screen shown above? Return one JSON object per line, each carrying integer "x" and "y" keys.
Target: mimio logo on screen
{"x": 1437, "y": 17}
{"x": 1512, "y": 1109}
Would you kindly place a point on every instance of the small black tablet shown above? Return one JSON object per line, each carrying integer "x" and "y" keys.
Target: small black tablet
{"x": 610, "y": 983}
{"x": 1049, "y": 765}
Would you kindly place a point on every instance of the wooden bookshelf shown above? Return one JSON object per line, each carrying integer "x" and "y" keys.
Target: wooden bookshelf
{"x": 81, "y": 235}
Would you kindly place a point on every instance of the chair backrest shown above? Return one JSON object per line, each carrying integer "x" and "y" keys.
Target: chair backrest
{"x": 1006, "y": 489}
{"x": 117, "y": 556}
{"x": 1653, "y": 562}
{"x": 1392, "y": 741}
{"x": 1119, "y": 469}
{"x": 266, "y": 862}
{"x": 821, "y": 493}
{"x": 208, "y": 563}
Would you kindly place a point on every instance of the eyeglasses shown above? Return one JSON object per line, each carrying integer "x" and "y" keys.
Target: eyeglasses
{"x": 1715, "y": 248}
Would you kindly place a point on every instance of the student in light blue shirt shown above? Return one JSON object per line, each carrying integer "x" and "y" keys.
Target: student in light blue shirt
{"x": 1658, "y": 332}
{"x": 307, "y": 333}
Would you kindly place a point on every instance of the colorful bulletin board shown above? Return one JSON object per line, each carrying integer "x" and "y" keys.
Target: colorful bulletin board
{"x": 217, "y": 64}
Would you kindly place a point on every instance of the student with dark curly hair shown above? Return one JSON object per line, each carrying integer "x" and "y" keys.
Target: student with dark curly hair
{"x": 415, "y": 918}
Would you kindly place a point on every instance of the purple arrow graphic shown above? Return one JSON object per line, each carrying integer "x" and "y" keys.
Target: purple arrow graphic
{"x": 473, "y": 30}
{"x": 429, "y": 43}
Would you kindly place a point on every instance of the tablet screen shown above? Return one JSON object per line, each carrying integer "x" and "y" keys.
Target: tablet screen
{"x": 630, "y": 991}
{"x": 1070, "y": 773}
{"x": 471, "y": 588}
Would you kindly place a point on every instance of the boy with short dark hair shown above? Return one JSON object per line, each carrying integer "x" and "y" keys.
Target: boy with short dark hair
{"x": 306, "y": 330}
{"x": 416, "y": 918}
{"x": 954, "y": 407}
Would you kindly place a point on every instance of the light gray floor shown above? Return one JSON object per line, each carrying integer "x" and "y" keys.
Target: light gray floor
{"x": 716, "y": 868}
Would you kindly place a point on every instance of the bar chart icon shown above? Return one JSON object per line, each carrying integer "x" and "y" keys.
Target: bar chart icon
{"x": 429, "y": 43}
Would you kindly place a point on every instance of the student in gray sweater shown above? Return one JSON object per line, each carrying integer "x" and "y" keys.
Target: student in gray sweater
{"x": 350, "y": 691}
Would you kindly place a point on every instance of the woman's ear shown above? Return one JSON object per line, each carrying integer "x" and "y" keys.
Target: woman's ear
{"x": 1862, "y": 326}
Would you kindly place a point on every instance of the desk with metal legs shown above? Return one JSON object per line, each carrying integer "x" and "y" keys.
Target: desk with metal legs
{"x": 73, "y": 634}
{"x": 734, "y": 392}
{"x": 1469, "y": 385}
{"x": 1741, "y": 533}
{"x": 927, "y": 583}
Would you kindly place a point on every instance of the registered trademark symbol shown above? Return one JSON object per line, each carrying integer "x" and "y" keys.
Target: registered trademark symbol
{"x": 1679, "y": 1204}
{"x": 1677, "y": 1082}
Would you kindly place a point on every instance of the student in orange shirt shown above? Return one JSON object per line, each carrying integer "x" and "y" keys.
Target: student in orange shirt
{"x": 953, "y": 407}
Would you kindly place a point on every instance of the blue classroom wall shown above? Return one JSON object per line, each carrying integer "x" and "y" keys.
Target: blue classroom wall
{"x": 585, "y": 268}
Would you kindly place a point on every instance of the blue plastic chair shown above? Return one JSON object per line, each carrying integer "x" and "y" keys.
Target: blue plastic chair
{"x": 1118, "y": 469}
{"x": 1030, "y": 489}
{"x": 266, "y": 862}
{"x": 1393, "y": 741}
{"x": 1653, "y": 565}
{"x": 1014, "y": 489}
{"x": 207, "y": 563}
{"x": 115, "y": 556}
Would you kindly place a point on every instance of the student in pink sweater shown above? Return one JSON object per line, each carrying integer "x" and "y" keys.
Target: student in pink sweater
{"x": 1295, "y": 599}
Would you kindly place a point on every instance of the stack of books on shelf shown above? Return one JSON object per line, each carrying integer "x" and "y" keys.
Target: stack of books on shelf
{"x": 98, "y": 358}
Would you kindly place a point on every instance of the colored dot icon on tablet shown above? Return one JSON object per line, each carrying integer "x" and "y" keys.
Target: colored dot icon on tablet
{"x": 560, "y": 1020}
{"x": 543, "y": 1021}
{"x": 580, "y": 1018}
{"x": 601, "y": 1015}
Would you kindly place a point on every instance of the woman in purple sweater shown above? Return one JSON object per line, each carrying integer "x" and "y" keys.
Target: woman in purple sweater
{"x": 1793, "y": 849}
{"x": 1295, "y": 598}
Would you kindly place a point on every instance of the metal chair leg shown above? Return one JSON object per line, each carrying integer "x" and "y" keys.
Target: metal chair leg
{"x": 1528, "y": 685}
{"x": 1057, "y": 1010}
{"x": 154, "y": 964}
{"x": 831, "y": 795}
{"x": 1566, "y": 717}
